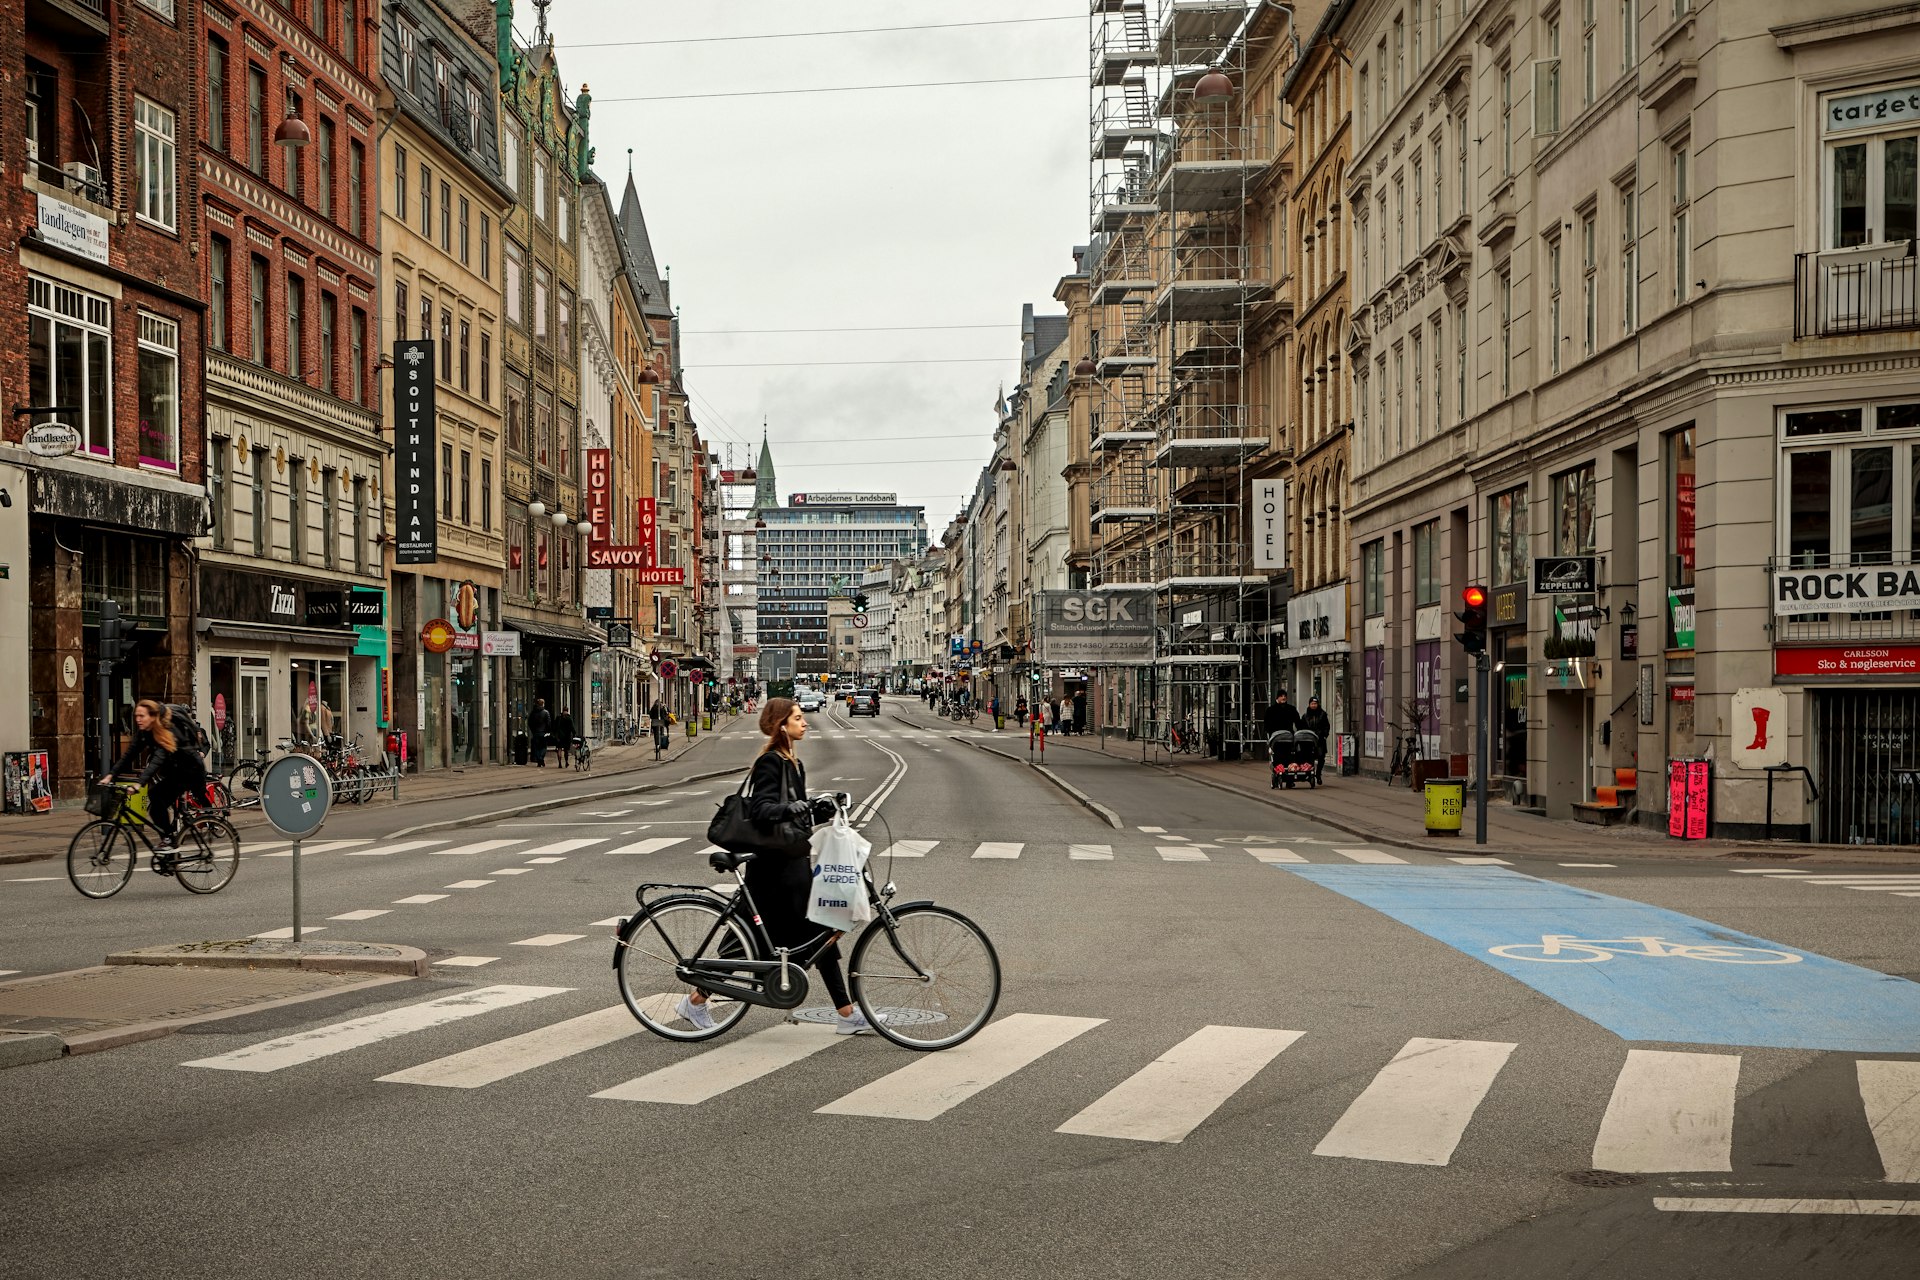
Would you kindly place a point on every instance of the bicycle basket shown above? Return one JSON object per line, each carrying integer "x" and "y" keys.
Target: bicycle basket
{"x": 104, "y": 802}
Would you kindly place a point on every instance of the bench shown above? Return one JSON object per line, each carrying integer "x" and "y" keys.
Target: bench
{"x": 1610, "y": 805}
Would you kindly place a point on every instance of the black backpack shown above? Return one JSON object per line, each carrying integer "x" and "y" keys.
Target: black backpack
{"x": 187, "y": 732}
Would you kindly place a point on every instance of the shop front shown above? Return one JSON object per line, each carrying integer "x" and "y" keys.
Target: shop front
{"x": 1507, "y": 687}
{"x": 552, "y": 667}
{"x": 1313, "y": 654}
{"x": 450, "y": 708}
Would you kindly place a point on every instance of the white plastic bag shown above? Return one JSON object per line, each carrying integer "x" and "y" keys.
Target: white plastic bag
{"x": 838, "y": 899}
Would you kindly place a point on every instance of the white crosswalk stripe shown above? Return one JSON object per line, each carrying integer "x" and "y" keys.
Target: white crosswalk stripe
{"x": 910, "y": 848}
{"x": 356, "y": 1033}
{"x": 938, "y": 1082}
{"x": 1276, "y": 855}
{"x": 710, "y": 1074}
{"x": 998, "y": 849}
{"x": 491, "y": 1063}
{"x": 1168, "y": 1098}
{"x": 478, "y": 846}
{"x": 1890, "y": 1092}
{"x": 653, "y": 844}
{"x": 1368, "y": 855}
{"x": 1670, "y": 1113}
{"x": 1090, "y": 852}
{"x": 1416, "y": 1109}
{"x": 561, "y": 847}
{"x": 1181, "y": 853}
{"x": 405, "y": 846}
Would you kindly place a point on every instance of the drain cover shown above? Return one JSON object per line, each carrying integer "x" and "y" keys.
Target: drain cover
{"x": 892, "y": 1017}
{"x": 1602, "y": 1178}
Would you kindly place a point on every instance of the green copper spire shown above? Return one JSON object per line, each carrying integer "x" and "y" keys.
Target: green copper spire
{"x": 503, "y": 42}
{"x": 765, "y": 496}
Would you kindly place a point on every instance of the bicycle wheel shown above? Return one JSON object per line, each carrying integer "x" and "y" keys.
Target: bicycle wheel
{"x": 244, "y": 781}
{"x": 1563, "y": 953}
{"x": 668, "y": 932}
{"x": 208, "y": 855}
{"x": 930, "y": 981}
{"x": 100, "y": 859}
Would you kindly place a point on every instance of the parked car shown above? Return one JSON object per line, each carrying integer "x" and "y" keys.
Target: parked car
{"x": 864, "y": 702}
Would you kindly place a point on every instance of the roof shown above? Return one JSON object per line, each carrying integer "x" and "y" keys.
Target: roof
{"x": 646, "y": 267}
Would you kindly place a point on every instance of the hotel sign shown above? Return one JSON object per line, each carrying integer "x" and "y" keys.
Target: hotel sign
{"x": 1269, "y": 524}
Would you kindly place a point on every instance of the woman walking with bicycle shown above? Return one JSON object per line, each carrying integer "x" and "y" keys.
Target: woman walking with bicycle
{"x": 168, "y": 768}
{"x": 782, "y": 883}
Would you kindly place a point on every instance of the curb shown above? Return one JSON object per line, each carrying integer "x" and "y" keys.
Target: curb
{"x": 561, "y": 802}
{"x": 1105, "y": 814}
{"x": 23, "y": 1048}
{"x": 383, "y": 958}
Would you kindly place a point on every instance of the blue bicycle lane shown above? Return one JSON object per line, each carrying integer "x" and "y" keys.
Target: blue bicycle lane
{"x": 1790, "y": 999}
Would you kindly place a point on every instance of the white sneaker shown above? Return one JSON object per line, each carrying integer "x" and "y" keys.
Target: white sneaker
{"x": 694, "y": 1013}
{"x": 855, "y": 1025}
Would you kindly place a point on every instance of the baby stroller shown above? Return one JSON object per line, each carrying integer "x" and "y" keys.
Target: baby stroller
{"x": 1295, "y": 756}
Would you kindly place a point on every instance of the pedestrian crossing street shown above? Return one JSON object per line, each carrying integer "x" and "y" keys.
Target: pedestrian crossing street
{"x": 1894, "y": 884}
{"x": 1668, "y": 1111}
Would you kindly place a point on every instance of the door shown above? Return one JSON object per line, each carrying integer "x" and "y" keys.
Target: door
{"x": 251, "y": 724}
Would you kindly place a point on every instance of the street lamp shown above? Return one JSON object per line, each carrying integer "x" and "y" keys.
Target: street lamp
{"x": 536, "y": 508}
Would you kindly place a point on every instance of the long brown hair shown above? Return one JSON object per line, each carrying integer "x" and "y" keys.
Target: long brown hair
{"x": 773, "y": 723}
{"x": 162, "y": 726}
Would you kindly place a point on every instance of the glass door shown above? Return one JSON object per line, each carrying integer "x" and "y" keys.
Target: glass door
{"x": 251, "y": 736}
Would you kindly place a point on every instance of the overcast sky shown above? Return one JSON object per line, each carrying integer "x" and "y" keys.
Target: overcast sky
{"x": 889, "y": 209}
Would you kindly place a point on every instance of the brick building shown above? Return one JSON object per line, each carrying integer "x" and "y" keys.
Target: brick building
{"x": 103, "y": 334}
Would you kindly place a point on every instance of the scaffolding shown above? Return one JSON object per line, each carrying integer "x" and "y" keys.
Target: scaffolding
{"x": 739, "y": 567}
{"x": 1174, "y": 430}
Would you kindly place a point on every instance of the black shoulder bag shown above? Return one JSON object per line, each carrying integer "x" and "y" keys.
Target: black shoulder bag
{"x": 734, "y": 829}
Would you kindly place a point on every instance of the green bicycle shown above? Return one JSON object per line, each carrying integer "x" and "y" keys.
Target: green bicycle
{"x": 102, "y": 856}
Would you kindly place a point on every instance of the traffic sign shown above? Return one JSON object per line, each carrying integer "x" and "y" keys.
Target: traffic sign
{"x": 860, "y": 621}
{"x": 295, "y": 794}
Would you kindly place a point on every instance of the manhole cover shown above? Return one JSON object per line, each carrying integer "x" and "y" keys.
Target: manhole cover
{"x": 1601, "y": 1178}
{"x": 893, "y": 1017}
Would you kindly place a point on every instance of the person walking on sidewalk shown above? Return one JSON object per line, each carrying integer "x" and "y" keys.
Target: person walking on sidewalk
{"x": 1020, "y": 711}
{"x": 657, "y": 719}
{"x": 1066, "y": 718}
{"x": 563, "y": 735}
{"x": 1080, "y": 711}
{"x": 1053, "y": 715}
{"x": 1281, "y": 716}
{"x": 539, "y": 722}
{"x": 1314, "y": 719}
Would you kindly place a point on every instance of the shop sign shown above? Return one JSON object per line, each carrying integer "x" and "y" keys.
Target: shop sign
{"x": 1679, "y": 693}
{"x": 282, "y": 602}
{"x": 466, "y": 642}
{"x": 51, "y": 439}
{"x": 414, "y": 453}
{"x": 1865, "y": 110}
{"x": 1848, "y": 660}
{"x": 1874, "y": 590}
{"x": 600, "y": 496}
{"x": 599, "y": 612}
{"x": 1565, "y": 575}
{"x": 326, "y": 608}
{"x": 1507, "y": 606}
{"x": 1269, "y": 524}
{"x": 437, "y": 636}
{"x": 1689, "y": 791}
{"x": 500, "y": 644}
{"x": 842, "y": 499}
{"x": 466, "y": 609}
{"x": 69, "y": 227}
{"x": 1316, "y": 621}
{"x": 620, "y": 635}
{"x": 1680, "y": 613}
{"x": 366, "y": 608}
{"x": 1759, "y": 727}
{"x": 1094, "y": 628}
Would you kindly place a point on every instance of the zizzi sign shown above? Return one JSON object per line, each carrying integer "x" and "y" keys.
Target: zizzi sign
{"x": 1564, "y": 575}
{"x": 1845, "y": 590}
{"x": 414, "y": 435}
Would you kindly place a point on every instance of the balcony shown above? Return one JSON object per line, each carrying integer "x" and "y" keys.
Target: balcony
{"x": 1864, "y": 290}
{"x": 1858, "y": 582}
{"x": 1202, "y": 435}
{"x": 1211, "y": 163}
{"x": 1212, "y": 282}
{"x": 86, "y": 18}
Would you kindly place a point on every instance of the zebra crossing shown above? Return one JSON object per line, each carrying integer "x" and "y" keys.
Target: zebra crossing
{"x": 1668, "y": 1112}
{"x": 1894, "y": 884}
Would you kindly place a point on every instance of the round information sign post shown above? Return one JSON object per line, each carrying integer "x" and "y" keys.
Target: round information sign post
{"x": 295, "y": 793}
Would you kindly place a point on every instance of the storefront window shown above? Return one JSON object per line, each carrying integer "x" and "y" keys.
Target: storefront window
{"x": 318, "y": 690}
{"x": 1373, "y": 578}
{"x": 1426, "y": 563}
{"x": 1573, "y": 499}
{"x": 1680, "y": 538}
{"x": 1510, "y": 694}
{"x": 1510, "y": 549}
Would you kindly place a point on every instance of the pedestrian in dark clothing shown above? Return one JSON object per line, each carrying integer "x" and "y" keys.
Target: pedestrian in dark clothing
{"x": 1282, "y": 715}
{"x": 1315, "y": 719}
{"x": 1080, "y": 712}
{"x": 169, "y": 768}
{"x": 1020, "y": 712}
{"x": 539, "y": 722}
{"x": 1053, "y": 715}
{"x": 563, "y": 735}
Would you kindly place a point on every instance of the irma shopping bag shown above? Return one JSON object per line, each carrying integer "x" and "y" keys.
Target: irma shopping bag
{"x": 839, "y": 897}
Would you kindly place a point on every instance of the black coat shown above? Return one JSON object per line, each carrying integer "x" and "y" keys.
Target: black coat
{"x": 146, "y": 753}
{"x": 1281, "y": 715}
{"x": 563, "y": 728}
{"x": 776, "y": 782}
{"x": 1316, "y": 720}
{"x": 537, "y": 721}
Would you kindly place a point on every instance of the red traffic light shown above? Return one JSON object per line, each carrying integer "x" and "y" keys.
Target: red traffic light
{"x": 1474, "y": 596}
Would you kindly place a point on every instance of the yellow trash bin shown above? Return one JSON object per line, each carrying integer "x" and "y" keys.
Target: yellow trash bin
{"x": 1446, "y": 798}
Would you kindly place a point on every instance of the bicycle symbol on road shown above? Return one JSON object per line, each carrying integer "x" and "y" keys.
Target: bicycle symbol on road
{"x": 1562, "y": 948}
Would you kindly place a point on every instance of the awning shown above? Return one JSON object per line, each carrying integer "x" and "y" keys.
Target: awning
{"x": 310, "y": 637}
{"x": 555, "y": 634}
{"x": 696, "y": 664}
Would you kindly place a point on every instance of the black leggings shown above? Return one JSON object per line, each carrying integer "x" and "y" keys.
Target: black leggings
{"x": 179, "y": 778}
{"x": 784, "y": 914}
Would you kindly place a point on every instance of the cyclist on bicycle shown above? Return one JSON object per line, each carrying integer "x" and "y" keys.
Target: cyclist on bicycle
{"x": 781, "y": 884}
{"x": 169, "y": 768}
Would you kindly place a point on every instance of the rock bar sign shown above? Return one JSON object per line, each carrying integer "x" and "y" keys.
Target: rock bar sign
{"x": 1874, "y": 589}
{"x": 414, "y": 501}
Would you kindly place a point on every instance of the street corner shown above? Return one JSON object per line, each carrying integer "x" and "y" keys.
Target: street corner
{"x": 333, "y": 956}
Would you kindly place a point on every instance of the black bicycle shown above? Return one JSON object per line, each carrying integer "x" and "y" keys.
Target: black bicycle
{"x": 102, "y": 855}
{"x": 925, "y": 976}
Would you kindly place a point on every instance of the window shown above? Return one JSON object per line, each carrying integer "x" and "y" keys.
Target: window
{"x": 1399, "y": 220}
{"x": 296, "y": 334}
{"x": 514, "y": 286}
{"x": 1399, "y": 396}
{"x": 540, "y": 186}
{"x": 323, "y": 167}
{"x": 486, "y": 495}
{"x": 510, "y": 156}
{"x": 257, "y": 119}
{"x": 162, "y": 7}
{"x": 446, "y": 481}
{"x": 317, "y": 17}
{"x": 261, "y": 516}
{"x": 296, "y": 510}
{"x": 542, "y": 288}
{"x": 473, "y": 117}
{"x": 399, "y": 182}
{"x": 1361, "y": 99}
{"x": 1546, "y": 83}
{"x": 564, "y": 327}
{"x": 220, "y": 489}
{"x": 329, "y": 330}
{"x": 1399, "y": 55}
{"x": 1416, "y": 37}
{"x": 257, "y": 297}
{"x": 1419, "y": 205}
{"x": 329, "y": 518}
{"x": 486, "y": 247}
{"x": 1380, "y": 94}
{"x": 1460, "y": 133}
{"x": 514, "y": 415}
{"x": 426, "y": 201}
{"x": 1419, "y": 382}
{"x": 466, "y": 486}
{"x": 1439, "y": 183}
{"x": 216, "y": 93}
{"x": 153, "y": 157}
{"x": 542, "y": 427}
{"x": 1503, "y": 283}
{"x": 1511, "y": 560}
{"x": 486, "y": 366}
{"x": 400, "y": 310}
{"x": 1439, "y": 363}
{"x": 1553, "y": 305}
{"x": 446, "y": 218}
{"x": 350, "y": 31}
{"x": 1380, "y": 380}
{"x": 466, "y": 231}
{"x": 466, "y": 352}
{"x": 1629, "y": 265}
{"x": 359, "y": 523}
{"x": 1373, "y": 579}
{"x": 1366, "y": 259}
{"x": 563, "y": 215}
{"x": 441, "y": 87}
{"x": 1680, "y": 536}
{"x": 446, "y": 345}
{"x": 358, "y": 354}
{"x": 1573, "y": 512}
{"x": 1589, "y": 54}
{"x": 219, "y": 263}
{"x": 42, "y": 95}
{"x": 159, "y": 392}
{"x": 356, "y": 189}
{"x": 1589, "y": 286}
{"x": 1629, "y": 35}
{"x": 426, "y": 314}
{"x": 1679, "y": 221}
{"x": 1506, "y": 122}
{"x": 408, "y": 40}
{"x": 293, "y": 175}
{"x": 1426, "y": 563}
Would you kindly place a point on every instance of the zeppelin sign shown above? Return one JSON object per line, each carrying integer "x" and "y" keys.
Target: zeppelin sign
{"x": 1870, "y": 590}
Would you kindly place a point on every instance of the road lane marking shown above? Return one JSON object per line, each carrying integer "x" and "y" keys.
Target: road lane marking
{"x": 1588, "y": 864}
{"x": 287, "y": 932}
{"x": 1181, "y": 853}
{"x": 1890, "y": 1091}
{"x": 467, "y": 962}
{"x": 418, "y": 899}
{"x": 468, "y": 884}
{"x": 357, "y": 1033}
{"x": 35, "y": 880}
{"x": 1153, "y": 831}
{"x": 1475, "y": 860}
{"x": 1168, "y": 1098}
{"x": 1168, "y": 837}
{"x": 653, "y": 845}
{"x": 361, "y": 915}
{"x": 998, "y": 849}
{"x": 564, "y": 846}
{"x": 510, "y": 871}
{"x": 1765, "y": 871}
{"x": 1419, "y": 1105}
{"x": 609, "y": 922}
{"x": 1858, "y": 877}
{"x": 938, "y": 1082}
{"x": 1865, "y": 1208}
{"x": 1367, "y": 855}
{"x": 1670, "y": 1113}
{"x": 541, "y": 862}
{"x": 1090, "y": 852}
{"x": 710, "y": 1074}
{"x": 910, "y": 848}
{"x": 1275, "y": 855}
{"x": 479, "y": 846}
{"x": 548, "y": 939}
{"x": 491, "y": 1063}
{"x": 405, "y": 846}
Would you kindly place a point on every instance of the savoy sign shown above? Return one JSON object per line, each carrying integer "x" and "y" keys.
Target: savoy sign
{"x": 1869, "y": 590}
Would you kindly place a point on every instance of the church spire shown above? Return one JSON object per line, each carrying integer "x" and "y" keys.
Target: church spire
{"x": 766, "y": 496}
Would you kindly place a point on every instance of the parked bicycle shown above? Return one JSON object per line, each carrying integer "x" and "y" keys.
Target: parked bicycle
{"x": 925, "y": 976}
{"x": 582, "y": 755}
{"x": 1408, "y": 744}
{"x": 102, "y": 855}
{"x": 1180, "y": 737}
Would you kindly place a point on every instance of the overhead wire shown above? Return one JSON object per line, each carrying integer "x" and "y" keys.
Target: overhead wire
{"x": 814, "y": 35}
{"x": 838, "y": 88}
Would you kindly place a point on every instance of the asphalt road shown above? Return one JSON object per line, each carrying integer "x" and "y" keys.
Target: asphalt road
{"x": 1355, "y": 1090}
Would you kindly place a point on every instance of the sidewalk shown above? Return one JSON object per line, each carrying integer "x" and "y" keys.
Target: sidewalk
{"x": 35, "y": 837}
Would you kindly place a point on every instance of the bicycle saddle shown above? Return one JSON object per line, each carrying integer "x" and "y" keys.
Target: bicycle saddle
{"x": 723, "y": 860}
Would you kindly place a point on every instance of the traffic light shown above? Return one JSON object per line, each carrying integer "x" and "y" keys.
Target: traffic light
{"x": 860, "y": 602}
{"x": 1473, "y": 620}
{"x": 116, "y": 633}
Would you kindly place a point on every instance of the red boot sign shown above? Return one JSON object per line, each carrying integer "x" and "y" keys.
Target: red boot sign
{"x": 1758, "y": 727}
